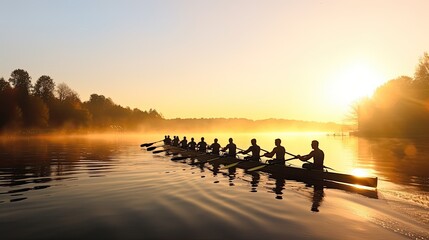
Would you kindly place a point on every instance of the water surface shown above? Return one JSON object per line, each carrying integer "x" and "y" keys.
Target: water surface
{"x": 107, "y": 187}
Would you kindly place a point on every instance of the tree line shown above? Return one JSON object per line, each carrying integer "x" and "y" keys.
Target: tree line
{"x": 47, "y": 106}
{"x": 180, "y": 125}
{"x": 400, "y": 107}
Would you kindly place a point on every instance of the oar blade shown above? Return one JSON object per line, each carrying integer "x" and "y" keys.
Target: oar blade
{"x": 151, "y": 148}
{"x": 330, "y": 168}
{"x": 291, "y": 159}
{"x": 159, "y": 151}
{"x": 149, "y": 144}
{"x": 212, "y": 159}
{"x": 230, "y": 165}
{"x": 257, "y": 168}
{"x": 179, "y": 158}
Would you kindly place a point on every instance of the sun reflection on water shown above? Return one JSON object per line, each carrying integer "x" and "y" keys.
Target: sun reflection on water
{"x": 361, "y": 172}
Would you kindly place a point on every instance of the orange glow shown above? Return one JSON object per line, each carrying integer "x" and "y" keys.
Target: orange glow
{"x": 360, "y": 172}
{"x": 410, "y": 150}
{"x": 354, "y": 82}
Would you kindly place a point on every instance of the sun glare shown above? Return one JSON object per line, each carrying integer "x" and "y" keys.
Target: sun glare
{"x": 360, "y": 172}
{"x": 354, "y": 82}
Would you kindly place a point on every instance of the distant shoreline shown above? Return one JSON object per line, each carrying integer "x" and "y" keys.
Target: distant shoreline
{"x": 195, "y": 125}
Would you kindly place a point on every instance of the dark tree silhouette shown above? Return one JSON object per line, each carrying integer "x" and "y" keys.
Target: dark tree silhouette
{"x": 44, "y": 88}
{"x": 21, "y": 82}
{"x": 8, "y": 105}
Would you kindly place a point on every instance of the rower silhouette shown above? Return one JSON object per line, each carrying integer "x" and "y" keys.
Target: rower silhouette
{"x": 318, "y": 157}
{"x": 192, "y": 144}
{"x": 167, "y": 140}
{"x": 278, "y": 150}
{"x": 231, "y": 147}
{"x": 176, "y": 141}
{"x": 184, "y": 143}
{"x": 202, "y": 146}
{"x": 215, "y": 147}
{"x": 255, "y": 149}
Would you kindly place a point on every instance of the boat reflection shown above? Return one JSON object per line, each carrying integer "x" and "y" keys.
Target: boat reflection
{"x": 256, "y": 177}
{"x": 280, "y": 184}
{"x": 318, "y": 195}
{"x": 318, "y": 187}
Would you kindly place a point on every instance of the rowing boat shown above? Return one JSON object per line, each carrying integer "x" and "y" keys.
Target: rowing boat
{"x": 280, "y": 170}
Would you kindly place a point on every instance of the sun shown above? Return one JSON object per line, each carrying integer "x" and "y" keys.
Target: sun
{"x": 353, "y": 82}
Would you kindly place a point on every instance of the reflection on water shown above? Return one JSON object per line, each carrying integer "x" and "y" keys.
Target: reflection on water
{"x": 34, "y": 164}
{"x": 130, "y": 192}
{"x": 402, "y": 161}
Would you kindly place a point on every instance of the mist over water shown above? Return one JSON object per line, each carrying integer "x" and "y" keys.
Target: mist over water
{"x": 108, "y": 187}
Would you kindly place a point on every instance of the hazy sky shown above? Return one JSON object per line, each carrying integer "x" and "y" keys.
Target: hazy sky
{"x": 291, "y": 59}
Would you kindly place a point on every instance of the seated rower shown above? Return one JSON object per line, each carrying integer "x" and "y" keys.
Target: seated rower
{"x": 167, "y": 140}
{"x": 279, "y": 151}
{"x": 231, "y": 147}
{"x": 176, "y": 141}
{"x": 255, "y": 149}
{"x": 318, "y": 157}
{"x": 202, "y": 146}
{"x": 192, "y": 144}
{"x": 215, "y": 147}
{"x": 184, "y": 143}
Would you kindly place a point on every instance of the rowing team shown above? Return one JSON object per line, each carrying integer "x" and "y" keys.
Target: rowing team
{"x": 278, "y": 151}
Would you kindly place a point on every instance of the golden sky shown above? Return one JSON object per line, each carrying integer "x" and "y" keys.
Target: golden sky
{"x": 305, "y": 60}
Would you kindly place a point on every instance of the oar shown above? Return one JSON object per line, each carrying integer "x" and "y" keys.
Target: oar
{"x": 209, "y": 160}
{"x": 233, "y": 164}
{"x": 149, "y": 144}
{"x": 323, "y": 165}
{"x": 159, "y": 151}
{"x": 330, "y": 168}
{"x": 185, "y": 157}
{"x": 242, "y": 150}
{"x": 293, "y": 155}
{"x": 267, "y": 164}
{"x": 151, "y": 148}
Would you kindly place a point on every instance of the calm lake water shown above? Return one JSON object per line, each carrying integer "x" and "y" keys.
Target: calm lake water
{"x": 107, "y": 187}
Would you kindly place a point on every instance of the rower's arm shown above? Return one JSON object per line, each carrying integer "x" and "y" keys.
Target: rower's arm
{"x": 306, "y": 157}
{"x": 248, "y": 150}
{"x": 270, "y": 154}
